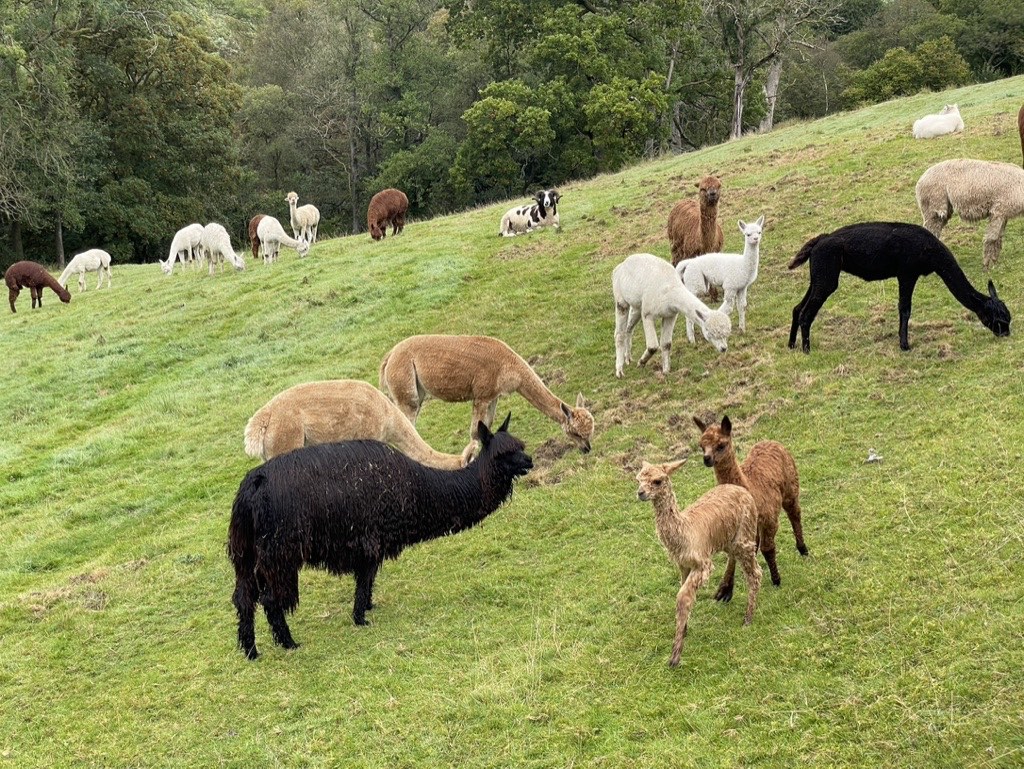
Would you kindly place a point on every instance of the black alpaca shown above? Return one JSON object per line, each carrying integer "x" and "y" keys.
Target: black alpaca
{"x": 880, "y": 250}
{"x": 345, "y": 507}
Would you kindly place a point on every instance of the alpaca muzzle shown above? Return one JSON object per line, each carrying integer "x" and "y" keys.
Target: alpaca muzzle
{"x": 642, "y": 495}
{"x": 709, "y": 461}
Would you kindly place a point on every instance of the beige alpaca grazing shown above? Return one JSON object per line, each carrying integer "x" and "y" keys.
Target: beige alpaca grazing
{"x": 479, "y": 369}
{"x": 336, "y": 410}
{"x": 723, "y": 520}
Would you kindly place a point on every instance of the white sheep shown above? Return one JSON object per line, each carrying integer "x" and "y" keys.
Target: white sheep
{"x": 217, "y": 246}
{"x": 975, "y": 189}
{"x": 186, "y": 246}
{"x": 93, "y": 260}
{"x": 305, "y": 219}
{"x": 272, "y": 236}
{"x": 733, "y": 273}
{"x": 946, "y": 122}
{"x": 647, "y": 288}
{"x": 542, "y": 213}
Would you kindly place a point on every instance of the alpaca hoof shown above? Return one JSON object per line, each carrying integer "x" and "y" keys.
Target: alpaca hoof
{"x": 807, "y": 348}
{"x": 361, "y": 621}
{"x": 802, "y": 549}
{"x": 291, "y": 645}
{"x": 251, "y": 654}
{"x": 776, "y": 581}
{"x": 724, "y": 594}
{"x": 904, "y": 347}
{"x": 674, "y": 662}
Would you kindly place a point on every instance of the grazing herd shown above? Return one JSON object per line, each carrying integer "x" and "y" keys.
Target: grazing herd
{"x": 347, "y": 481}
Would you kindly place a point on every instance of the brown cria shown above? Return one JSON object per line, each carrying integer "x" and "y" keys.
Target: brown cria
{"x": 769, "y": 473}
{"x": 386, "y": 206}
{"x": 723, "y": 520}
{"x": 254, "y": 238}
{"x": 1020, "y": 127}
{"x": 693, "y": 227}
{"x": 33, "y": 277}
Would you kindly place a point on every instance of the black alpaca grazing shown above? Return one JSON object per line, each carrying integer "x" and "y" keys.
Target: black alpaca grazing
{"x": 345, "y": 507}
{"x": 880, "y": 250}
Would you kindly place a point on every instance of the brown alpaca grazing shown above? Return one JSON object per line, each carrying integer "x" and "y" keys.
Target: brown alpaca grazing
{"x": 723, "y": 520}
{"x": 693, "y": 227}
{"x": 479, "y": 369}
{"x": 769, "y": 473}
{"x": 333, "y": 411}
{"x": 35, "y": 278}
{"x": 254, "y": 238}
{"x": 386, "y": 206}
{"x": 1020, "y": 127}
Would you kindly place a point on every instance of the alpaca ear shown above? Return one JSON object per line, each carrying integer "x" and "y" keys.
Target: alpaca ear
{"x": 484, "y": 434}
{"x": 580, "y": 402}
{"x": 726, "y": 426}
{"x": 566, "y": 412}
{"x": 700, "y": 425}
{"x": 504, "y": 425}
{"x": 992, "y": 290}
{"x": 701, "y": 315}
{"x": 760, "y": 221}
{"x": 671, "y": 467}
{"x": 743, "y": 226}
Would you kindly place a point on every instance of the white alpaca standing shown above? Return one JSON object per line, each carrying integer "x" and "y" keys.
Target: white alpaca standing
{"x": 647, "y": 288}
{"x": 217, "y": 246}
{"x": 93, "y": 260}
{"x": 946, "y": 122}
{"x": 305, "y": 219}
{"x": 733, "y": 273}
{"x": 187, "y": 243}
{"x": 272, "y": 236}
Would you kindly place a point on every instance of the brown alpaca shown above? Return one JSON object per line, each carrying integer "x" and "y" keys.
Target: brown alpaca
{"x": 332, "y": 411}
{"x": 33, "y": 277}
{"x": 388, "y": 205}
{"x": 479, "y": 369}
{"x": 254, "y": 238}
{"x": 1020, "y": 127}
{"x": 769, "y": 473}
{"x": 693, "y": 227}
{"x": 723, "y": 520}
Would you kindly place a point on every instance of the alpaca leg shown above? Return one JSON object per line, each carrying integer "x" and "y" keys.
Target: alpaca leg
{"x": 244, "y": 599}
{"x": 797, "y": 310}
{"x": 667, "y": 327}
{"x": 993, "y": 241}
{"x": 791, "y": 504}
{"x": 280, "y": 594}
{"x": 752, "y": 572}
{"x": 364, "y": 587}
{"x": 741, "y": 305}
{"x": 81, "y": 281}
{"x": 689, "y": 331}
{"x": 279, "y": 626}
{"x": 906, "y": 284}
{"x": 369, "y": 594}
{"x": 12, "y": 295}
{"x": 37, "y": 296}
{"x": 822, "y": 287}
{"x": 766, "y": 539}
{"x": 684, "y": 602}
{"x": 631, "y": 321}
{"x": 651, "y": 337}
{"x": 725, "y": 587}
{"x": 621, "y": 355}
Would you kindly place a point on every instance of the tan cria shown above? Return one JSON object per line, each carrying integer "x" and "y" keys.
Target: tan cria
{"x": 769, "y": 473}
{"x": 478, "y": 369}
{"x": 693, "y": 227}
{"x": 723, "y": 520}
{"x": 332, "y": 411}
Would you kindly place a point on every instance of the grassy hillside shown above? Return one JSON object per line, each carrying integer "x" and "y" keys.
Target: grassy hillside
{"x": 540, "y": 638}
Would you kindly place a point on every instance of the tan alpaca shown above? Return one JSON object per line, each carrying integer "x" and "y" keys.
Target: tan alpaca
{"x": 479, "y": 369}
{"x": 769, "y": 473}
{"x": 336, "y": 410}
{"x": 723, "y": 520}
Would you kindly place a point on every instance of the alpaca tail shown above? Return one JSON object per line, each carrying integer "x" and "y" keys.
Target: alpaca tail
{"x": 380, "y": 375}
{"x": 805, "y": 253}
{"x": 256, "y": 433}
{"x": 241, "y": 547}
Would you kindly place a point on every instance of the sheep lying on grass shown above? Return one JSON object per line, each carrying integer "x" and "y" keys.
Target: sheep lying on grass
{"x": 723, "y": 520}
{"x": 543, "y": 212}
{"x": 345, "y": 507}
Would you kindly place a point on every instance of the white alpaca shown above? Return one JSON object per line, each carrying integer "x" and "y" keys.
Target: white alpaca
{"x": 185, "y": 246}
{"x": 217, "y": 247}
{"x": 95, "y": 259}
{"x": 647, "y": 288}
{"x": 272, "y": 236}
{"x": 733, "y": 273}
{"x": 946, "y": 122}
{"x": 305, "y": 219}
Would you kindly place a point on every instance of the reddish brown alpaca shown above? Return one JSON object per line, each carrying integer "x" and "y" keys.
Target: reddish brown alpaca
{"x": 1020, "y": 127}
{"x": 769, "y": 474}
{"x": 386, "y": 206}
{"x": 254, "y": 239}
{"x": 693, "y": 227}
{"x": 33, "y": 277}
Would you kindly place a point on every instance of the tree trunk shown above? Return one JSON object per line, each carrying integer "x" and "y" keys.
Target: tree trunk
{"x": 58, "y": 232}
{"x": 16, "y": 244}
{"x": 771, "y": 94}
{"x": 738, "y": 94}
{"x": 352, "y": 172}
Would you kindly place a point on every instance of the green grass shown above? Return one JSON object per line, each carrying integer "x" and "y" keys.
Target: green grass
{"x": 540, "y": 638}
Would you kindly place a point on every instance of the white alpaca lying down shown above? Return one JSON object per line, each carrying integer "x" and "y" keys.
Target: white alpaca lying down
{"x": 93, "y": 260}
{"x": 946, "y": 122}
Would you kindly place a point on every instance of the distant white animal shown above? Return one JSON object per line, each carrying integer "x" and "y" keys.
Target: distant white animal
{"x": 542, "y": 213}
{"x": 217, "y": 246}
{"x": 93, "y": 260}
{"x": 186, "y": 246}
{"x": 305, "y": 220}
{"x": 272, "y": 236}
{"x": 946, "y": 122}
{"x": 733, "y": 273}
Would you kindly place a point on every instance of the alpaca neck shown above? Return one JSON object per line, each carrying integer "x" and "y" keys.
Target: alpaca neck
{"x": 728, "y": 470}
{"x": 678, "y": 301}
{"x": 951, "y": 274}
{"x": 539, "y": 396}
{"x": 671, "y": 523}
{"x": 403, "y": 436}
{"x": 454, "y": 500}
{"x": 708, "y": 221}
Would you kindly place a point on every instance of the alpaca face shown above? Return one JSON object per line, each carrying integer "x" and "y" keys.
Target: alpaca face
{"x": 376, "y": 232}
{"x": 291, "y": 198}
{"x": 654, "y": 481}
{"x": 715, "y": 441}
{"x": 578, "y": 424}
{"x": 506, "y": 451}
{"x": 752, "y": 232}
{"x": 996, "y": 317}
{"x": 710, "y": 190}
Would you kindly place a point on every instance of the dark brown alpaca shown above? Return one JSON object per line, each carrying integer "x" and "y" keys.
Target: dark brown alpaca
{"x": 693, "y": 227}
{"x": 1020, "y": 127}
{"x": 769, "y": 474}
{"x": 33, "y": 277}
{"x": 388, "y": 205}
{"x": 254, "y": 238}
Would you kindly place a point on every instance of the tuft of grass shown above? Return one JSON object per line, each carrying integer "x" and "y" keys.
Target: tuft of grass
{"x": 540, "y": 638}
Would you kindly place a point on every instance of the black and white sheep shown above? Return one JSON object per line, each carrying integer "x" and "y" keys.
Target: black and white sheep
{"x": 542, "y": 213}
{"x": 345, "y": 507}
